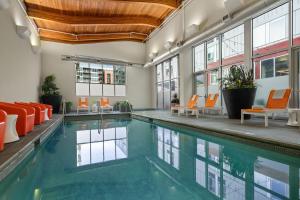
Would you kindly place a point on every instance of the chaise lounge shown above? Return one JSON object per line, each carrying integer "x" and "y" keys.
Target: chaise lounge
{"x": 277, "y": 103}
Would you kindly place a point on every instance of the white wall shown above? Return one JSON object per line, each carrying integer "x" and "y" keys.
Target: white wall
{"x": 20, "y": 68}
{"x": 139, "y": 85}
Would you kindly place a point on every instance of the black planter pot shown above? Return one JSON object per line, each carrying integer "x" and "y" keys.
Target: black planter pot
{"x": 54, "y": 100}
{"x": 237, "y": 99}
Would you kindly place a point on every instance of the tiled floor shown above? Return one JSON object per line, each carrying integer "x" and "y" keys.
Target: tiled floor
{"x": 278, "y": 133}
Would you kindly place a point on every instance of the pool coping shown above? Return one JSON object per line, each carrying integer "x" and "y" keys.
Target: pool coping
{"x": 241, "y": 136}
{"x": 21, "y": 154}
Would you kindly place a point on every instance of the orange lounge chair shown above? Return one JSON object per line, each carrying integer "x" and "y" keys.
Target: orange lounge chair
{"x": 2, "y": 128}
{"x": 104, "y": 105}
{"x": 277, "y": 103}
{"x": 25, "y": 121}
{"x": 189, "y": 109}
{"x": 83, "y": 104}
{"x": 40, "y": 112}
{"x": 46, "y": 106}
{"x": 210, "y": 104}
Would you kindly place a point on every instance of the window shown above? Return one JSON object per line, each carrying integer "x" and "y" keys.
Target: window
{"x": 213, "y": 77}
{"x": 270, "y": 50}
{"x": 270, "y": 30}
{"x": 233, "y": 46}
{"x": 199, "y": 58}
{"x": 267, "y": 68}
{"x": 274, "y": 67}
{"x": 296, "y": 22}
{"x": 167, "y": 84}
{"x": 100, "y": 80}
{"x": 213, "y": 53}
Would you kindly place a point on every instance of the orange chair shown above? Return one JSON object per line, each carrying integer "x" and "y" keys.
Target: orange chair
{"x": 2, "y": 128}
{"x": 50, "y": 110}
{"x": 47, "y": 109}
{"x": 25, "y": 121}
{"x": 40, "y": 112}
{"x": 210, "y": 104}
{"x": 277, "y": 103}
{"x": 189, "y": 109}
{"x": 83, "y": 104}
{"x": 104, "y": 105}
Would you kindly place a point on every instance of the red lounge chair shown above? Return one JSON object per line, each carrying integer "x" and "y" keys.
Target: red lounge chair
{"x": 2, "y": 128}
{"x": 39, "y": 112}
{"x": 25, "y": 121}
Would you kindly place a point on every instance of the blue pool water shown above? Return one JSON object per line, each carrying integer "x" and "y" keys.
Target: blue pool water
{"x": 135, "y": 160}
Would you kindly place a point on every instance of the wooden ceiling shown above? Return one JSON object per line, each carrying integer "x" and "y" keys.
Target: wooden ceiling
{"x": 91, "y": 21}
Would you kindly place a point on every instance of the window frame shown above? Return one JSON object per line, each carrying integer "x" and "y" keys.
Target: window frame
{"x": 104, "y": 81}
{"x": 170, "y": 79}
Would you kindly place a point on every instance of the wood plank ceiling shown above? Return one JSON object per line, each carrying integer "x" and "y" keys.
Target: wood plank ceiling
{"x": 91, "y": 21}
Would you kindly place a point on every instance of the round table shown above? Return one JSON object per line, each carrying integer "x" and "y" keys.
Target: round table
{"x": 11, "y": 134}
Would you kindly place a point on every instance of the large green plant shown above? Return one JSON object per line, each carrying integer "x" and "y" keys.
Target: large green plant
{"x": 49, "y": 87}
{"x": 239, "y": 77}
{"x": 123, "y": 106}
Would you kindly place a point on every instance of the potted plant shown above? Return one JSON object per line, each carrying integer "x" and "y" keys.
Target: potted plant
{"x": 123, "y": 106}
{"x": 50, "y": 93}
{"x": 68, "y": 106}
{"x": 239, "y": 91}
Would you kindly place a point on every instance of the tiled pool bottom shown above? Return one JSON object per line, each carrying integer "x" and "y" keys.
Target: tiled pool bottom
{"x": 131, "y": 159}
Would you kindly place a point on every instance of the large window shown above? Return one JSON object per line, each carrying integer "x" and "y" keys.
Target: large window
{"x": 270, "y": 30}
{"x": 100, "y": 80}
{"x": 270, "y": 54}
{"x": 209, "y": 68}
{"x": 233, "y": 46}
{"x": 296, "y": 22}
{"x": 199, "y": 58}
{"x": 167, "y": 82}
{"x": 212, "y": 53}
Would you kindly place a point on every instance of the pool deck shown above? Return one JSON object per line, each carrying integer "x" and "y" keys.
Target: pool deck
{"x": 15, "y": 152}
{"x": 278, "y": 133}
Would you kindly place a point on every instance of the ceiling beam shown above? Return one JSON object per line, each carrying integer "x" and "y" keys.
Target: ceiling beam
{"x": 90, "y": 20}
{"x": 86, "y": 42}
{"x": 89, "y": 38}
{"x": 172, "y": 4}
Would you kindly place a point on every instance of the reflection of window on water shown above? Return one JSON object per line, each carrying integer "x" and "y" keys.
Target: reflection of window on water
{"x": 97, "y": 146}
{"x": 214, "y": 152}
{"x": 270, "y": 177}
{"x": 233, "y": 188}
{"x": 213, "y": 181}
{"x": 209, "y": 172}
{"x": 201, "y": 148}
{"x": 168, "y": 146}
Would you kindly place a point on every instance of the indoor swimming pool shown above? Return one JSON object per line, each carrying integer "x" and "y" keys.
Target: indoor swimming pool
{"x": 134, "y": 160}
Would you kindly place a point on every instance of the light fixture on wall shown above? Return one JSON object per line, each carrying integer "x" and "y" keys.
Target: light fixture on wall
{"x": 23, "y": 31}
{"x": 153, "y": 55}
{"x": 192, "y": 30}
{"x": 4, "y": 4}
{"x": 168, "y": 45}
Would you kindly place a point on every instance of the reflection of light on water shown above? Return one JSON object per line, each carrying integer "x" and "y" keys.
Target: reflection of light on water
{"x": 37, "y": 194}
{"x": 101, "y": 145}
